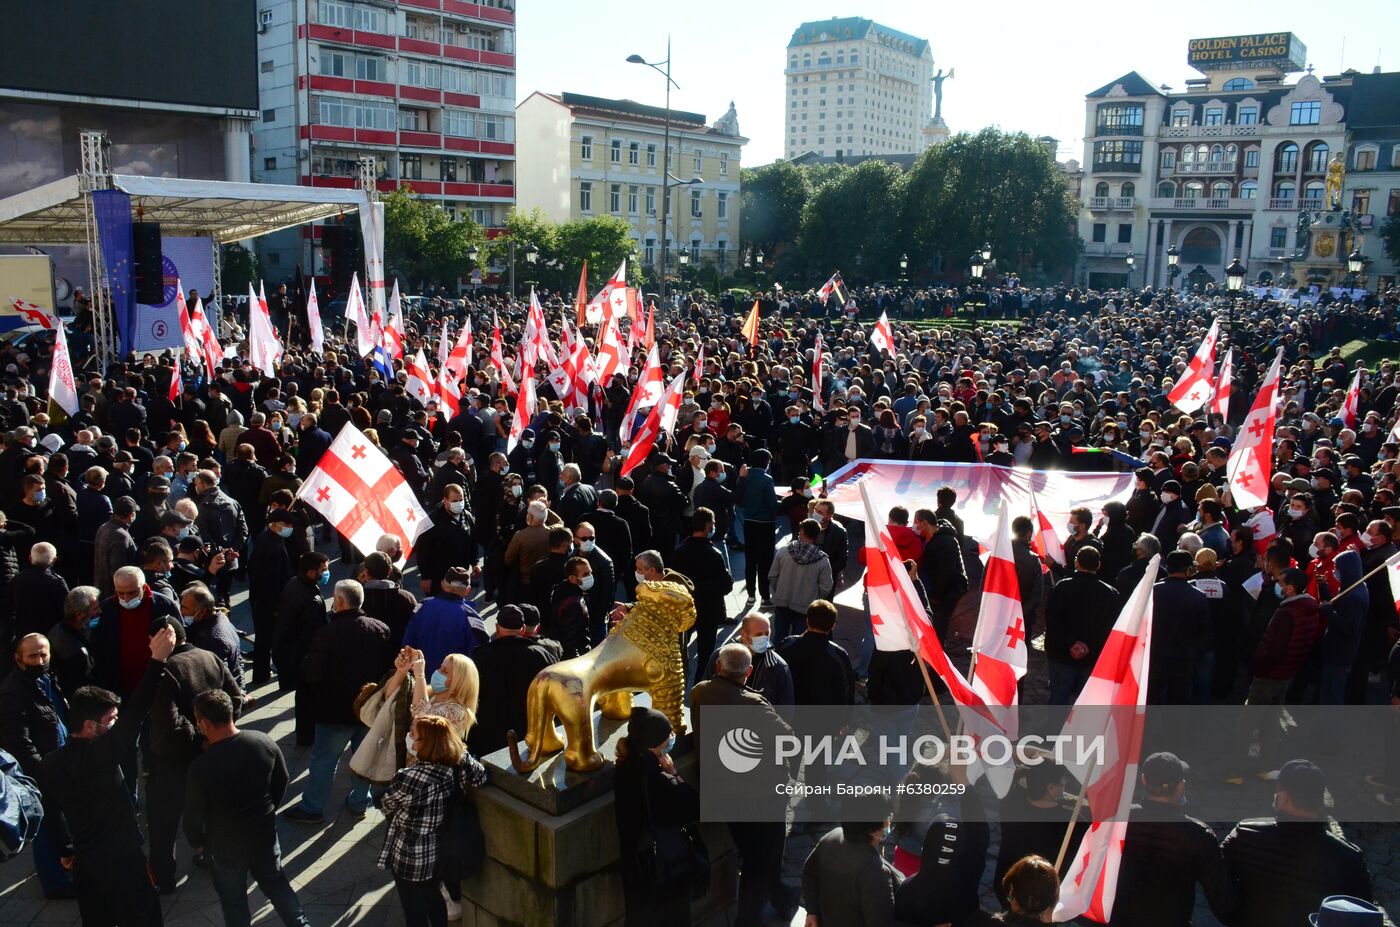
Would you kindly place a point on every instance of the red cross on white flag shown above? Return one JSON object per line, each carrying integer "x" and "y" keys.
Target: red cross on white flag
{"x": 1193, "y": 389}
{"x": 1251, "y": 460}
{"x": 358, "y": 489}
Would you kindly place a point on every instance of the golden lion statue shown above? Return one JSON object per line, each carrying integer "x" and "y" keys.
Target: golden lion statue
{"x": 642, "y": 653}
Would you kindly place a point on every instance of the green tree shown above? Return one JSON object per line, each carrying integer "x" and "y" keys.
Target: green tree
{"x": 240, "y": 268}
{"x": 773, "y": 198}
{"x": 995, "y": 187}
{"x": 1390, "y": 237}
{"x": 561, "y": 249}
{"x": 423, "y": 244}
{"x": 852, "y": 223}
{"x": 604, "y": 242}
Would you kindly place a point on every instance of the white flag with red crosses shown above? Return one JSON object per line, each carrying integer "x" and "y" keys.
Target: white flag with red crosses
{"x": 358, "y": 489}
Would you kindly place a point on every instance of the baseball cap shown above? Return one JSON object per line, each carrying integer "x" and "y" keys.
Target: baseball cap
{"x": 1164, "y": 770}
{"x": 175, "y": 519}
{"x": 510, "y": 617}
{"x": 1304, "y": 781}
{"x": 158, "y": 484}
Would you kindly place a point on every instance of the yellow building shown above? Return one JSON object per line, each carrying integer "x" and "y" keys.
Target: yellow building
{"x": 580, "y": 156}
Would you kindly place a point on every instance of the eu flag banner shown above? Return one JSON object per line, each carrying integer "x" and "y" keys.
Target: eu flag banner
{"x": 112, "y": 211}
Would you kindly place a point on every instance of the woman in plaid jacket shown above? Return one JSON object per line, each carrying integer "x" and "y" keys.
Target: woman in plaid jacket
{"x": 415, "y": 807}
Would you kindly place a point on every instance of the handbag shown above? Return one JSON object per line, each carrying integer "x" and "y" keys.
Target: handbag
{"x": 461, "y": 842}
{"x": 671, "y": 854}
{"x": 376, "y": 758}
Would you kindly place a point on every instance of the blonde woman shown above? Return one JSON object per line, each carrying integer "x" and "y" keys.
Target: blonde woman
{"x": 450, "y": 692}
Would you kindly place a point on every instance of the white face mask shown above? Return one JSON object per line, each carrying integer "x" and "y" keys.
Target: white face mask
{"x": 640, "y": 578}
{"x": 586, "y": 583}
{"x": 587, "y": 545}
{"x": 456, "y": 507}
{"x": 130, "y": 604}
{"x": 760, "y": 644}
{"x": 1169, "y": 497}
{"x": 1296, "y": 514}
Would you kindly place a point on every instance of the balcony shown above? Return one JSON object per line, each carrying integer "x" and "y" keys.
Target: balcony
{"x": 1110, "y": 202}
{"x": 1117, "y": 167}
{"x": 1200, "y": 131}
{"x": 1206, "y": 167}
{"x": 1209, "y": 203}
{"x": 1121, "y": 129}
{"x": 1283, "y": 204}
{"x": 1104, "y": 249}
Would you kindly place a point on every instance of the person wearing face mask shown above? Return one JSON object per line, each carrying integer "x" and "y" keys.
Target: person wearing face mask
{"x": 221, "y": 523}
{"x": 269, "y": 568}
{"x": 448, "y": 542}
{"x": 87, "y": 790}
{"x": 33, "y": 724}
{"x": 601, "y": 597}
{"x": 1298, "y": 523}
{"x": 549, "y": 465}
{"x": 70, "y": 639}
{"x": 208, "y": 628}
{"x": 846, "y": 880}
{"x": 771, "y": 676}
{"x": 566, "y": 617}
{"x": 1173, "y": 516}
{"x": 156, "y": 562}
{"x": 301, "y": 612}
{"x": 446, "y": 623}
{"x": 650, "y": 795}
{"x": 856, "y": 440}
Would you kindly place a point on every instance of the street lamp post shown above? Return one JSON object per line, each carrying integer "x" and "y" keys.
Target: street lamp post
{"x": 1173, "y": 256}
{"x": 1355, "y": 264}
{"x": 1234, "y": 283}
{"x": 472, "y": 256}
{"x": 666, "y": 148}
{"x": 978, "y": 265}
{"x": 1130, "y": 260}
{"x": 903, "y": 269}
{"x": 531, "y": 256}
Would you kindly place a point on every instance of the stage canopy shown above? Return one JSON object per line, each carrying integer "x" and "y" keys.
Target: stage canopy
{"x": 224, "y": 211}
{"x": 982, "y": 490}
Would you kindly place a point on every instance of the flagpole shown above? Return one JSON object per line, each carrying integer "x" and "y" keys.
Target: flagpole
{"x": 1073, "y": 819}
{"x": 1384, "y": 563}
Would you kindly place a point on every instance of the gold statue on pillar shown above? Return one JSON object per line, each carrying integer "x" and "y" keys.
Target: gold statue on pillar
{"x": 642, "y": 653}
{"x": 1336, "y": 171}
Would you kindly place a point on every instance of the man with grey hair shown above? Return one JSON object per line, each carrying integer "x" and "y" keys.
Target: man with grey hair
{"x": 210, "y": 629}
{"x": 771, "y": 676}
{"x": 37, "y": 591}
{"x": 529, "y": 545}
{"x": 760, "y": 844}
{"x": 70, "y": 639}
{"x": 577, "y": 499}
{"x": 1145, "y": 548}
{"x": 220, "y": 522}
{"x": 353, "y": 649}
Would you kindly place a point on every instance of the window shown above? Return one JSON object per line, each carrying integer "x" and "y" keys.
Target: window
{"x": 1217, "y": 154}
{"x": 695, "y": 204}
{"x": 1128, "y": 190}
{"x": 615, "y": 198}
{"x": 1168, "y": 158}
{"x": 1392, "y": 205}
{"x": 585, "y": 196}
{"x": 633, "y": 153}
{"x": 410, "y": 167}
{"x": 695, "y": 251}
{"x": 651, "y": 201}
{"x": 1313, "y": 191}
{"x": 336, "y": 64}
{"x": 615, "y": 155}
{"x": 334, "y": 13}
{"x": 1120, "y": 119}
{"x": 1125, "y": 233}
{"x": 1305, "y": 113}
{"x": 458, "y": 123}
{"x": 1286, "y": 161}
{"x": 1188, "y": 154}
{"x": 269, "y": 164}
{"x": 1247, "y": 115}
{"x": 1220, "y": 190}
{"x": 495, "y": 128}
{"x": 1251, "y": 157}
{"x": 1249, "y": 190}
{"x": 699, "y": 161}
{"x": 1231, "y": 153}
{"x": 1215, "y": 115}
{"x": 1100, "y": 189}
{"x": 1238, "y": 83}
{"x": 1194, "y": 189}
{"x": 265, "y": 67}
{"x": 722, "y": 205}
{"x": 1278, "y": 238}
{"x": 1285, "y": 189}
{"x": 1365, "y": 159}
{"x": 1317, "y": 158}
{"x": 420, "y": 74}
{"x": 448, "y": 167}
{"x": 632, "y": 199}
{"x": 1118, "y": 156}
{"x": 269, "y": 115}
{"x": 585, "y": 148}
{"x": 1361, "y": 201}
{"x": 724, "y": 164}
{"x": 1100, "y": 232}
{"x": 651, "y": 155}
{"x": 367, "y": 68}
{"x": 1181, "y": 117}
{"x": 649, "y": 251}
{"x": 1166, "y": 189}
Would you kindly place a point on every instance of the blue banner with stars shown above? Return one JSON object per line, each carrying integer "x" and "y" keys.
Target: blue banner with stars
{"x": 112, "y": 210}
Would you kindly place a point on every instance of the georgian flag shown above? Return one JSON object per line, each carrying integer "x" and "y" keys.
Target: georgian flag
{"x": 392, "y": 337}
{"x": 498, "y": 357}
{"x": 313, "y": 320}
{"x": 63, "y": 390}
{"x": 525, "y": 405}
{"x": 1251, "y": 459}
{"x": 213, "y": 351}
{"x": 1220, "y": 404}
{"x": 1046, "y": 543}
{"x": 831, "y": 286}
{"x": 176, "y": 384}
{"x": 611, "y": 351}
{"x": 460, "y": 357}
{"x": 648, "y": 392}
{"x": 419, "y": 383}
{"x": 366, "y": 335}
{"x": 264, "y": 347}
{"x": 1392, "y": 570}
{"x": 1193, "y": 389}
{"x": 662, "y": 418}
{"x": 1351, "y": 407}
{"x": 1110, "y": 708}
{"x": 537, "y": 344}
{"x": 358, "y": 489}
{"x": 449, "y": 393}
{"x": 817, "y": 358}
{"x": 999, "y": 640}
{"x": 882, "y": 338}
{"x": 191, "y": 337}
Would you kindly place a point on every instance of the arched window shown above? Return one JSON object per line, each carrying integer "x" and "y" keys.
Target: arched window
{"x": 1286, "y": 160}
{"x": 1285, "y": 189}
{"x": 1201, "y": 246}
{"x": 1220, "y": 190}
{"x": 1238, "y": 83}
{"x": 1231, "y": 152}
{"x": 1188, "y": 154}
{"x": 1194, "y": 189}
{"x": 1249, "y": 190}
{"x": 1101, "y": 189}
{"x": 1127, "y": 190}
{"x": 1202, "y": 153}
{"x": 1313, "y": 191}
{"x": 1318, "y": 153}
{"x": 1217, "y": 153}
{"x": 1166, "y": 189}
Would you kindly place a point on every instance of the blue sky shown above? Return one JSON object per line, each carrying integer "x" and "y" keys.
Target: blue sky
{"x": 1021, "y": 65}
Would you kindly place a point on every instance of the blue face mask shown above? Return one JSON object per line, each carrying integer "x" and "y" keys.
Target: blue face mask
{"x": 794, "y": 419}
{"x": 438, "y": 682}
{"x": 325, "y": 577}
{"x": 1278, "y": 590}
{"x": 670, "y": 743}
{"x": 721, "y": 476}
{"x": 92, "y": 622}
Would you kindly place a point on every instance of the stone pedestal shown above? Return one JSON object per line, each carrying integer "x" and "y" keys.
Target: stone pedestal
{"x": 552, "y": 856}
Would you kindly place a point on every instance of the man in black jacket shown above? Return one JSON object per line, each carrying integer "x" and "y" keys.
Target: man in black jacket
{"x": 638, "y": 517}
{"x": 941, "y": 568}
{"x": 86, "y": 792}
{"x": 344, "y": 655}
{"x": 1180, "y": 623}
{"x": 269, "y": 568}
{"x": 448, "y": 542}
{"x": 174, "y": 742}
{"x": 666, "y": 503}
{"x": 821, "y": 670}
{"x": 577, "y": 499}
{"x": 1166, "y": 854}
{"x": 1078, "y": 617}
{"x": 566, "y": 618}
{"x": 699, "y": 560}
{"x": 33, "y": 724}
{"x": 385, "y": 599}
{"x": 601, "y": 597}
{"x": 38, "y": 592}
{"x": 614, "y": 534}
{"x": 301, "y": 613}
{"x": 1283, "y": 867}
{"x": 507, "y": 664}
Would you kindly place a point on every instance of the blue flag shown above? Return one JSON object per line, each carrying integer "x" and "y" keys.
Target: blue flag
{"x": 112, "y": 210}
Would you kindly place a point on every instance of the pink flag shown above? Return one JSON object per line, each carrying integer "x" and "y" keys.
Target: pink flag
{"x": 699, "y": 369}
{"x": 1109, "y": 711}
{"x": 1193, "y": 389}
{"x": 817, "y": 358}
{"x": 359, "y": 490}
{"x": 1251, "y": 460}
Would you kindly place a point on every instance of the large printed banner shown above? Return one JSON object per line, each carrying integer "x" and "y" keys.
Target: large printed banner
{"x": 982, "y": 489}
{"x": 189, "y": 261}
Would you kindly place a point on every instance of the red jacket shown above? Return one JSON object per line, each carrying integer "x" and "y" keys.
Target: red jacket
{"x": 1292, "y": 633}
{"x": 906, "y": 541}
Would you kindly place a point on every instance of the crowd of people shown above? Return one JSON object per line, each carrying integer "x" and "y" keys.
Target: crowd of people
{"x": 126, "y": 530}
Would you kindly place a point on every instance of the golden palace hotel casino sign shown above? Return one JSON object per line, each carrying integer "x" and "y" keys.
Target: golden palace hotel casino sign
{"x": 1263, "y": 49}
